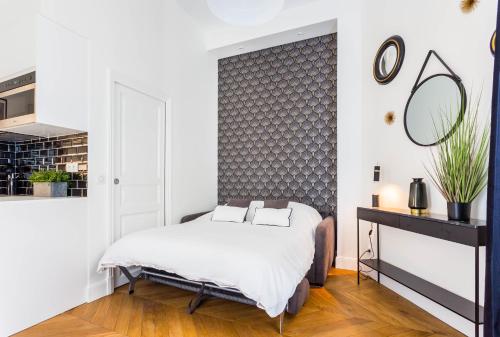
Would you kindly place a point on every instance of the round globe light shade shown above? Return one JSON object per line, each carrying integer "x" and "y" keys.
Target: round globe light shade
{"x": 245, "y": 12}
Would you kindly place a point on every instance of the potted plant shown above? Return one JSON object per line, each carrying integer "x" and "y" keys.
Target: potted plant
{"x": 50, "y": 183}
{"x": 459, "y": 164}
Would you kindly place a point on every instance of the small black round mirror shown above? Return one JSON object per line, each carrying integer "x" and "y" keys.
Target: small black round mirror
{"x": 389, "y": 59}
{"x": 438, "y": 98}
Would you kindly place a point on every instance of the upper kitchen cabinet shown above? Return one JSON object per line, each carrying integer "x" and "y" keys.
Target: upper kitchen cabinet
{"x": 56, "y": 103}
{"x": 62, "y": 68}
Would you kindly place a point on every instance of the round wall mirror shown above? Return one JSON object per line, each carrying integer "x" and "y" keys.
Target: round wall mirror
{"x": 389, "y": 59}
{"x": 437, "y": 97}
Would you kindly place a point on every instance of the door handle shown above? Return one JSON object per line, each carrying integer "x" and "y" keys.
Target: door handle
{"x": 116, "y": 181}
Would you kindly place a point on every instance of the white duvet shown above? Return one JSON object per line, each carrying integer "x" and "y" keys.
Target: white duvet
{"x": 266, "y": 263}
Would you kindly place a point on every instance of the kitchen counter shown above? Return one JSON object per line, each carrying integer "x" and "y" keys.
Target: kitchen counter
{"x": 43, "y": 243}
{"x": 30, "y": 197}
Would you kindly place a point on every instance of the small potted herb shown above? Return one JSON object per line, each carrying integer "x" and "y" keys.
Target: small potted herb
{"x": 460, "y": 162}
{"x": 50, "y": 183}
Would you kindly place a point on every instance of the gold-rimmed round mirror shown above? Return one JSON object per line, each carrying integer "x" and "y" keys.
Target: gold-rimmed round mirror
{"x": 389, "y": 59}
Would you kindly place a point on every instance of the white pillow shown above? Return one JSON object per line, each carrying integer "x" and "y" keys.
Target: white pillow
{"x": 272, "y": 217}
{"x": 230, "y": 214}
{"x": 251, "y": 209}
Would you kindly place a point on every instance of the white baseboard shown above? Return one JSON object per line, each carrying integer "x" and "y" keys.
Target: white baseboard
{"x": 345, "y": 262}
{"x": 106, "y": 286}
{"x": 97, "y": 290}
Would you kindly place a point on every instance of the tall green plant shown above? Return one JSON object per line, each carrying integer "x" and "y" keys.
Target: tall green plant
{"x": 459, "y": 164}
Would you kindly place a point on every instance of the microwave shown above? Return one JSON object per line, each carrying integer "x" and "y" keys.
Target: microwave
{"x": 17, "y": 101}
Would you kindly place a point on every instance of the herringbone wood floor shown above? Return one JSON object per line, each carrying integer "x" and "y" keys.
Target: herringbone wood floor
{"x": 341, "y": 308}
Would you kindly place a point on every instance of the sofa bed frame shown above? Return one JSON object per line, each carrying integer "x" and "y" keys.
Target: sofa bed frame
{"x": 323, "y": 259}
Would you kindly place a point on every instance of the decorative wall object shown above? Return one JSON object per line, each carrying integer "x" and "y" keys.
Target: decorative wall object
{"x": 493, "y": 42}
{"x": 277, "y": 124}
{"x": 389, "y": 59}
{"x": 45, "y": 154}
{"x": 389, "y": 118}
{"x": 468, "y": 6}
{"x": 376, "y": 178}
{"x": 438, "y": 97}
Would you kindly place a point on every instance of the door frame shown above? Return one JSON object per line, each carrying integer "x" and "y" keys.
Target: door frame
{"x": 114, "y": 78}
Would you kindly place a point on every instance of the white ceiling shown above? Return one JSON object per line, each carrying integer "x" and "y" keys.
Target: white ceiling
{"x": 198, "y": 9}
{"x": 276, "y": 39}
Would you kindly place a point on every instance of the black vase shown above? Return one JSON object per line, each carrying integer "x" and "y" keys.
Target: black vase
{"x": 459, "y": 211}
{"x": 417, "y": 201}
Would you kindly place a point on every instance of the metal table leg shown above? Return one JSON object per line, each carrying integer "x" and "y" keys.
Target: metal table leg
{"x": 476, "y": 290}
{"x": 357, "y": 235}
{"x": 378, "y": 252}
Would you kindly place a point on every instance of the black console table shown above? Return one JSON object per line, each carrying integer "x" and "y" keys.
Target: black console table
{"x": 437, "y": 226}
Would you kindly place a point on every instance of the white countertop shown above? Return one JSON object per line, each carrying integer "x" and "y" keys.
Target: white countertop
{"x": 30, "y": 197}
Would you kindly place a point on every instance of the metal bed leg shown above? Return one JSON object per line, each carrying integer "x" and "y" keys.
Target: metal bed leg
{"x": 132, "y": 280}
{"x": 282, "y": 321}
{"x": 196, "y": 301}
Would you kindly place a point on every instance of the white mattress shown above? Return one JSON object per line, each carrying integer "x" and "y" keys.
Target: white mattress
{"x": 265, "y": 263}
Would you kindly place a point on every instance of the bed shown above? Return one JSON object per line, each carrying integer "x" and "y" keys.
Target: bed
{"x": 267, "y": 266}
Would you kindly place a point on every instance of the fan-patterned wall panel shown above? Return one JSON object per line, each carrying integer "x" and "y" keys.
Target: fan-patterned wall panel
{"x": 277, "y": 124}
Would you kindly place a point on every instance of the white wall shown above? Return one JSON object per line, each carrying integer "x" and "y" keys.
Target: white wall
{"x": 43, "y": 249}
{"x": 155, "y": 44}
{"x": 462, "y": 40}
{"x": 17, "y": 27}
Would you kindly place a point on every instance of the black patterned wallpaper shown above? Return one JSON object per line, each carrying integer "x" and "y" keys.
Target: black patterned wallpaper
{"x": 277, "y": 124}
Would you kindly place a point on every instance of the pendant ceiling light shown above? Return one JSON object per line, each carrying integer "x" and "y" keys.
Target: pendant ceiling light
{"x": 245, "y": 12}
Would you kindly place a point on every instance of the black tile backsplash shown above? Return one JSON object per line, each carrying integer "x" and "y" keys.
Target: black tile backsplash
{"x": 45, "y": 154}
{"x": 7, "y": 163}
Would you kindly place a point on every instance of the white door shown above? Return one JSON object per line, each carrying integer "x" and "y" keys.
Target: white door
{"x": 138, "y": 152}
